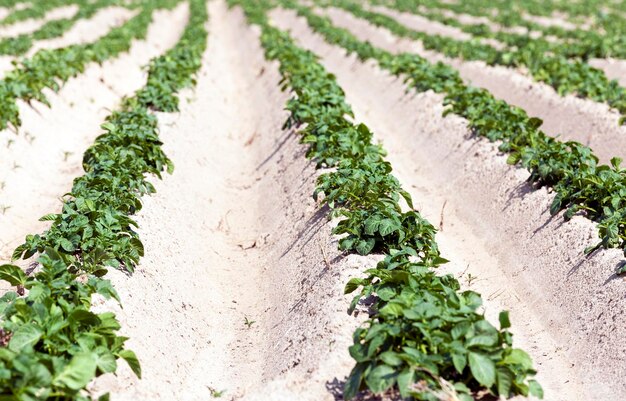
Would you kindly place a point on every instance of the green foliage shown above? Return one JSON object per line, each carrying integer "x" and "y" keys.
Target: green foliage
{"x": 423, "y": 332}
{"x": 50, "y": 69}
{"x": 51, "y": 343}
{"x": 571, "y": 169}
{"x": 546, "y": 61}
{"x": 424, "y": 328}
{"x": 20, "y": 44}
{"x": 57, "y": 345}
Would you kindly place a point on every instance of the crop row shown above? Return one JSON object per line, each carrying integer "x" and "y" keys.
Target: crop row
{"x": 35, "y": 10}
{"x": 580, "y": 184}
{"x": 20, "y": 44}
{"x": 604, "y": 38}
{"x": 566, "y": 76}
{"x": 424, "y": 336}
{"x": 51, "y": 343}
{"x": 50, "y": 69}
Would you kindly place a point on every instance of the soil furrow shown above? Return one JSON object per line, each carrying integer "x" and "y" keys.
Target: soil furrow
{"x": 566, "y": 309}
{"x": 38, "y": 165}
{"x": 232, "y": 235}
{"x": 87, "y": 30}
{"x": 568, "y": 117}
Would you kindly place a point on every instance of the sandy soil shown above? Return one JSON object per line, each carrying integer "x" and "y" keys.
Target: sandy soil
{"x": 56, "y": 137}
{"x": 423, "y": 24}
{"x": 566, "y": 309}
{"x": 546, "y": 21}
{"x": 87, "y": 30}
{"x": 569, "y": 117}
{"x": 31, "y": 25}
{"x": 613, "y": 68}
{"x": 234, "y": 234}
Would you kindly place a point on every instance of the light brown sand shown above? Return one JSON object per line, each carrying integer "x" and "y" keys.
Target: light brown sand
{"x": 566, "y": 309}
{"x": 569, "y": 117}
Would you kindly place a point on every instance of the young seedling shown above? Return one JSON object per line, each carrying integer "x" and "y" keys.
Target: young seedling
{"x": 4, "y": 208}
{"x": 248, "y": 322}
{"x": 216, "y": 393}
{"x": 16, "y": 166}
{"x": 470, "y": 279}
{"x": 66, "y": 155}
{"x": 10, "y": 142}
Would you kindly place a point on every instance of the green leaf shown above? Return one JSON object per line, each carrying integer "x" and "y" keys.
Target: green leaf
{"x": 505, "y": 322}
{"x": 25, "y": 336}
{"x": 13, "y": 274}
{"x": 364, "y": 247}
{"x": 130, "y": 358}
{"x": 483, "y": 369}
{"x": 78, "y": 373}
{"x": 459, "y": 361}
{"x": 391, "y": 358}
{"x": 48, "y": 217}
{"x": 386, "y": 227}
{"x": 108, "y": 126}
{"x": 353, "y": 384}
{"x": 381, "y": 378}
{"x": 535, "y": 122}
{"x": 352, "y": 285}
{"x": 105, "y": 361}
{"x": 66, "y": 245}
{"x": 505, "y": 381}
{"x": 535, "y": 389}
{"x": 518, "y": 357}
{"x": 405, "y": 379}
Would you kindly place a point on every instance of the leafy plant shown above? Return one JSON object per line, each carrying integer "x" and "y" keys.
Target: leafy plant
{"x": 424, "y": 336}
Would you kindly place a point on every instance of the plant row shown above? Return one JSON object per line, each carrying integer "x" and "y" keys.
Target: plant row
{"x": 581, "y": 185}
{"x": 50, "y": 69}
{"x": 34, "y": 10}
{"x": 564, "y": 75}
{"x": 425, "y": 337}
{"x": 604, "y": 38}
{"x": 16, "y": 46}
{"x": 51, "y": 343}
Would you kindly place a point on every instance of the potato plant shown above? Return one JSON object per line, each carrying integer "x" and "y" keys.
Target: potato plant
{"x": 424, "y": 335}
{"x": 51, "y": 344}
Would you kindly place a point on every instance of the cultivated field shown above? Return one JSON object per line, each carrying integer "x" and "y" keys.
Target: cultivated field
{"x": 312, "y": 200}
